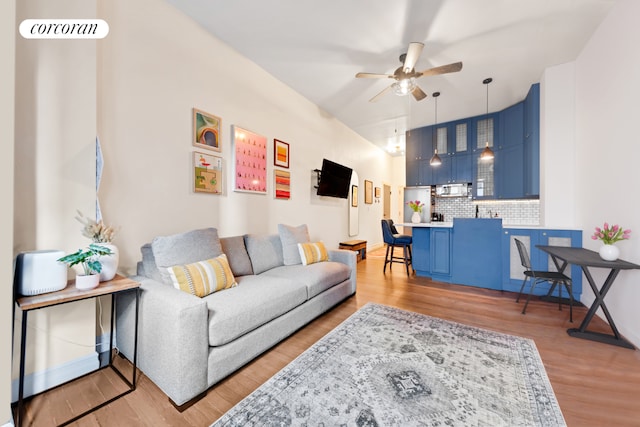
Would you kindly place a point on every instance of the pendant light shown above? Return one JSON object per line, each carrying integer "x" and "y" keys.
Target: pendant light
{"x": 487, "y": 153}
{"x": 435, "y": 160}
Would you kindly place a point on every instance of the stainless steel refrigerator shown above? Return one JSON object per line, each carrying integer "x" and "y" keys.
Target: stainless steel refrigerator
{"x": 422, "y": 194}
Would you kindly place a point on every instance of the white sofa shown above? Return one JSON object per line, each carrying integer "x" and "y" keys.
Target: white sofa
{"x": 186, "y": 344}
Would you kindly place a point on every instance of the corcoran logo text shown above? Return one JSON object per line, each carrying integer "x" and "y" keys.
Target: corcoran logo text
{"x": 64, "y": 29}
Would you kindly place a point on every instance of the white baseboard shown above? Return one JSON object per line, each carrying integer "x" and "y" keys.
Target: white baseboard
{"x": 102, "y": 342}
{"x": 38, "y": 382}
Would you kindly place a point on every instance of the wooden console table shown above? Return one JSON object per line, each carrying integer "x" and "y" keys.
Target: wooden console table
{"x": 71, "y": 294}
{"x": 359, "y": 246}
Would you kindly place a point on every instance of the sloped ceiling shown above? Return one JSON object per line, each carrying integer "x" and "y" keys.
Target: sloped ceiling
{"x": 317, "y": 47}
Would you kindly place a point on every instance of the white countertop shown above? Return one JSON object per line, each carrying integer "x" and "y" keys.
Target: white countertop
{"x": 448, "y": 224}
{"x": 434, "y": 224}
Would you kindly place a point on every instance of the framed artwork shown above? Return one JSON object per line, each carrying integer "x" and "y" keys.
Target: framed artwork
{"x": 368, "y": 192}
{"x": 207, "y": 173}
{"x": 280, "y": 153}
{"x": 282, "y": 184}
{"x": 249, "y": 160}
{"x": 206, "y": 130}
{"x": 377, "y": 192}
{"x": 354, "y": 196}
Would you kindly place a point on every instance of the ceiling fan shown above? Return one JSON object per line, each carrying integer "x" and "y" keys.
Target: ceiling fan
{"x": 406, "y": 75}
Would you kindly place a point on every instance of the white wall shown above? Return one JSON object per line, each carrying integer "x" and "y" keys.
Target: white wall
{"x": 152, "y": 72}
{"x": 608, "y": 152}
{"x": 557, "y": 147}
{"x": 55, "y": 122}
{"x": 7, "y": 79}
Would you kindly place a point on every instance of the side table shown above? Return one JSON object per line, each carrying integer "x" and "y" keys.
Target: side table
{"x": 70, "y": 294}
{"x": 359, "y": 246}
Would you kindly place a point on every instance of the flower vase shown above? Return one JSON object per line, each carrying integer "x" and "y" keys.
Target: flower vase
{"x": 109, "y": 262}
{"x": 415, "y": 218}
{"x": 609, "y": 252}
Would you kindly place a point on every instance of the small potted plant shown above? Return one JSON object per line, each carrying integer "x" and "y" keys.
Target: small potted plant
{"x": 91, "y": 266}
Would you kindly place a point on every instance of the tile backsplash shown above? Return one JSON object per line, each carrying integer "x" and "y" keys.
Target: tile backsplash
{"x": 512, "y": 212}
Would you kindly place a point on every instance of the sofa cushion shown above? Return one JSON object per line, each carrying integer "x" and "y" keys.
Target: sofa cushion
{"x": 290, "y": 237}
{"x": 185, "y": 248}
{"x": 265, "y": 252}
{"x": 149, "y": 267}
{"x": 203, "y": 277}
{"x": 237, "y": 255}
{"x": 255, "y": 301}
{"x": 310, "y": 253}
{"x": 317, "y": 278}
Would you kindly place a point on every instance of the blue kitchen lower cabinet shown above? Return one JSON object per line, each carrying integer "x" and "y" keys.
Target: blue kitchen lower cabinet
{"x": 441, "y": 254}
{"x": 477, "y": 256}
{"x": 421, "y": 238}
{"x": 512, "y": 270}
{"x": 432, "y": 253}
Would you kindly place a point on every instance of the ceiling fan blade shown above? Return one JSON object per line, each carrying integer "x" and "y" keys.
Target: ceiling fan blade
{"x": 374, "y": 76}
{"x": 418, "y": 94}
{"x": 379, "y": 95}
{"x": 413, "y": 53}
{"x": 443, "y": 69}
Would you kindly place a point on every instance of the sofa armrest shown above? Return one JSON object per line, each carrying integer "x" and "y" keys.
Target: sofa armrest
{"x": 346, "y": 257}
{"x": 172, "y": 337}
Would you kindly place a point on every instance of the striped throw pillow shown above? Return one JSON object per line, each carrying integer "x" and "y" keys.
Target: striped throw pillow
{"x": 203, "y": 277}
{"x": 311, "y": 253}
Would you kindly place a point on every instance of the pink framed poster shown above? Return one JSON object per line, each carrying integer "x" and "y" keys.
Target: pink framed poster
{"x": 249, "y": 160}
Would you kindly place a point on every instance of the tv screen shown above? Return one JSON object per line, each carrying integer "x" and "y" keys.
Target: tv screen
{"x": 335, "y": 180}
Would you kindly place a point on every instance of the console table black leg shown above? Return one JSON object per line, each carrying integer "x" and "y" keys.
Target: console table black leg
{"x": 23, "y": 352}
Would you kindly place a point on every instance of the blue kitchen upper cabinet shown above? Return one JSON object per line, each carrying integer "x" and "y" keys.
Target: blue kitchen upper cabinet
{"x": 441, "y": 253}
{"x": 512, "y": 126}
{"x": 418, "y": 146}
{"x": 442, "y": 174}
{"x": 484, "y": 129}
{"x": 510, "y": 154}
{"x": 509, "y": 167}
{"x": 532, "y": 142}
{"x": 462, "y": 167}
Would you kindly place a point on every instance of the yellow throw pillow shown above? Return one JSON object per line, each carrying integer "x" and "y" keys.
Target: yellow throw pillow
{"x": 203, "y": 277}
{"x": 311, "y": 253}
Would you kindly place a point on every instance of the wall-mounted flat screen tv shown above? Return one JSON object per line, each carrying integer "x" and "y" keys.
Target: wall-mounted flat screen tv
{"x": 335, "y": 180}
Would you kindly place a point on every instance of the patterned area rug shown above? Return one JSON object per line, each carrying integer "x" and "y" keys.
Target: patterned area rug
{"x": 389, "y": 367}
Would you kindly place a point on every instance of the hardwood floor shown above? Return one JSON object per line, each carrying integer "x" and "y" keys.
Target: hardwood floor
{"x": 595, "y": 384}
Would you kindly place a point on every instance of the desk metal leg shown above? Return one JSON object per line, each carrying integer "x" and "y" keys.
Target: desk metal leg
{"x": 23, "y": 351}
{"x": 581, "y": 332}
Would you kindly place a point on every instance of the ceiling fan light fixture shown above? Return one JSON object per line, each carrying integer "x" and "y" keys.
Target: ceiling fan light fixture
{"x": 404, "y": 87}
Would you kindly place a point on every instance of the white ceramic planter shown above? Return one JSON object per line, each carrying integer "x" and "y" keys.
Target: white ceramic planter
{"x": 415, "y": 218}
{"x": 109, "y": 262}
{"x": 609, "y": 252}
{"x": 87, "y": 282}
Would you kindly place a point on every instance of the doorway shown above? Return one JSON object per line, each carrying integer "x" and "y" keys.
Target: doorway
{"x": 386, "y": 201}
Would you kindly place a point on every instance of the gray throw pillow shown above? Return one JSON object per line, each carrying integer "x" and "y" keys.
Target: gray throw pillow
{"x": 185, "y": 248}
{"x": 265, "y": 252}
{"x": 237, "y": 255}
{"x": 290, "y": 237}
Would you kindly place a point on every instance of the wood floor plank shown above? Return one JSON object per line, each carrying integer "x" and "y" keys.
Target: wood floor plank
{"x": 595, "y": 384}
